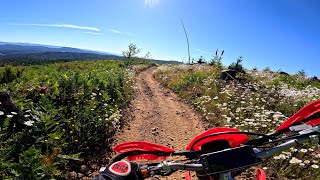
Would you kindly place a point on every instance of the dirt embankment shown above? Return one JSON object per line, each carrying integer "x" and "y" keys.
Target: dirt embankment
{"x": 157, "y": 115}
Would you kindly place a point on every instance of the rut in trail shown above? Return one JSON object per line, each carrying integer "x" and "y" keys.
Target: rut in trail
{"x": 157, "y": 115}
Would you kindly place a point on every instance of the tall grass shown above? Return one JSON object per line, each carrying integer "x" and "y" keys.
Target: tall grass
{"x": 260, "y": 103}
{"x": 71, "y": 111}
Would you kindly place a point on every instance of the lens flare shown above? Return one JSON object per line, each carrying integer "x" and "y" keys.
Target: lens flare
{"x": 151, "y": 3}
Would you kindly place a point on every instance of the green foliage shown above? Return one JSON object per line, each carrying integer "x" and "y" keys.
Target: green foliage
{"x": 267, "y": 69}
{"x": 30, "y": 166}
{"x": 302, "y": 73}
{"x": 217, "y": 60}
{"x": 9, "y": 74}
{"x": 188, "y": 84}
{"x": 201, "y": 60}
{"x": 295, "y": 81}
{"x": 130, "y": 55}
{"x": 50, "y": 57}
{"x": 255, "y": 106}
{"x": 237, "y": 66}
{"x": 71, "y": 108}
{"x": 255, "y": 68}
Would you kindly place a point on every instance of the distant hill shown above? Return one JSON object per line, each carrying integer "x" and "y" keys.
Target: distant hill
{"x": 7, "y": 48}
{"x": 29, "y": 54}
{"x": 165, "y": 61}
{"x": 49, "y": 57}
{"x": 59, "y": 55}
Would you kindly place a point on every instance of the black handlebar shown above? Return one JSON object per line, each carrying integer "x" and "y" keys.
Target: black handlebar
{"x": 311, "y": 135}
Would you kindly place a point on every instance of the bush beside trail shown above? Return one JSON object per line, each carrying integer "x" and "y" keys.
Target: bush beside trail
{"x": 70, "y": 112}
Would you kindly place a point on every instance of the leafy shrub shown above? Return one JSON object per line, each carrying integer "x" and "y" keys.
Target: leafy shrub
{"x": 71, "y": 109}
{"x": 237, "y": 66}
{"x": 9, "y": 74}
{"x": 217, "y": 60}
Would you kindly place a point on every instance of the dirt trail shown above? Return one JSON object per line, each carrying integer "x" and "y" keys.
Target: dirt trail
{"x": 159, "y": 116}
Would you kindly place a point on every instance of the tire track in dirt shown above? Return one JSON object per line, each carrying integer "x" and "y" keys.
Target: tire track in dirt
{"x": 158, "y": 115}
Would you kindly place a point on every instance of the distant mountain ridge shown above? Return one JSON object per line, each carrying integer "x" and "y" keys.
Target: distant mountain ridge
{"x": 9, "y": 48}
{"x": 60, "y": 55}
{"x": 16, "y": 53}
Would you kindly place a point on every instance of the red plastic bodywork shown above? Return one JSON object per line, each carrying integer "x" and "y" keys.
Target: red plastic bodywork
{"x": 234, "y": 139}
{"x": 142, "y": 146}
{"x": 188, "y": 175}
{"x": 302, "y": 114}
{"x": 261, "y": 175}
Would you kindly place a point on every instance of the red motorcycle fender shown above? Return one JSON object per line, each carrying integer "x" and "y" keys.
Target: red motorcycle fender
{"x": 188, "y": 175}
{"x": 261, "y": 175}
{"x": 142, "y": 146}
{"x": 234, "y": 140}
{"x": 302, "y": 114}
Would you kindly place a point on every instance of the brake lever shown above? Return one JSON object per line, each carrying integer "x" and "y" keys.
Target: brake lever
{"x": 161, "y": 169}
{"x": 310, "y": 130}
{"x": 300, "y": 127}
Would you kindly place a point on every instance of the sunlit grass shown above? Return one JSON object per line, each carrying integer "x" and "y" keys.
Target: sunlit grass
{"x": 259, "y": 103}
{"x": 72, "y": 109}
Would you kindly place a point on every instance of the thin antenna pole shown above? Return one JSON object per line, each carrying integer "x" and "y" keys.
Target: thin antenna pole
{"x": 185, "y": 32}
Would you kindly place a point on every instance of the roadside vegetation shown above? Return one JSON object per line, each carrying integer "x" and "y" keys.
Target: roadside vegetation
{"x": 65, "y": 118}
{"x": 257, "y": 101}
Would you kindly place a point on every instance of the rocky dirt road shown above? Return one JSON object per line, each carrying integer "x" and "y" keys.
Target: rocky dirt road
{"x": 157, "y": 115}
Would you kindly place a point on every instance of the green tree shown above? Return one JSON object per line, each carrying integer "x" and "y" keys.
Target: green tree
{"x": 217, "y": 60}
{"x": 201, "y": 60}
{"x": 131, "y": 54}
{"x": 146, "y": 58}
{"x": 267, "y": 69}
{"x": 237, "y": 66}
{"x": 302, "y": 73}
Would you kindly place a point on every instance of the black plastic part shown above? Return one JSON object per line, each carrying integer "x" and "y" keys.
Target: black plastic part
{"x": 229, "y": 160}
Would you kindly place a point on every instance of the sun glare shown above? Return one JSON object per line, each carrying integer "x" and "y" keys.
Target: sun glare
{"x": 151, "y": 3}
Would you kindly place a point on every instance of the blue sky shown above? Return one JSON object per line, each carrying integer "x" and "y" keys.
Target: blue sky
{"x": 280, "y": 34}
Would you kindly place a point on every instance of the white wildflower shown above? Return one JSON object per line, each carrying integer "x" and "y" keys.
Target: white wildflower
{"x": 28, "y": 123}
{"x": 302, "y": 164}
{"x": 293, "y": 150}
{"x": 1, "y": 113}
{"x": 276, "y": 157}
{"x": 282, "y": 156}
{"x": 314, "y": 166}
{"x": 287, "y": 153}
{"x": 306, "y": 162}
{"x": 303, "y": 150}
{"x": 295, "y": 161}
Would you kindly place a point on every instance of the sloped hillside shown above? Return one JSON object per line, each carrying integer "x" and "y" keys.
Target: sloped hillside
{"x": 258, "y": 101}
